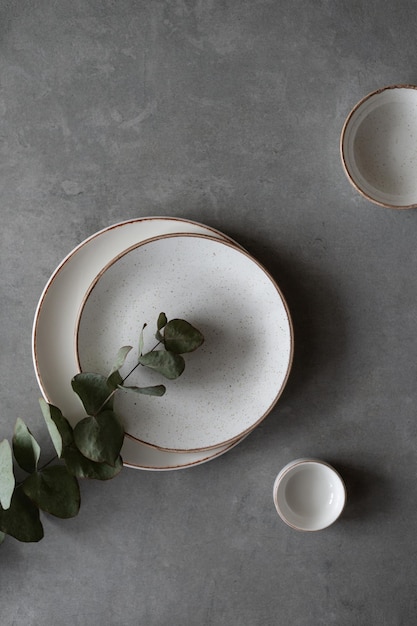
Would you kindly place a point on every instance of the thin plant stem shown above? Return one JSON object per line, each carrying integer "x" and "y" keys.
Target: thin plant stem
{"x": 110, "y": 396}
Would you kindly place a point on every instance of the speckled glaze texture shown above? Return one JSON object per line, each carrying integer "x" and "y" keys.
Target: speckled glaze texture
{"x": 233, "y": 380}
{"x": 379, "y": 146}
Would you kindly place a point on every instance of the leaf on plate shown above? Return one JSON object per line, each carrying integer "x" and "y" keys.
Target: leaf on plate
{"x": 7, "y": 480}
{"x": 94, "y": 391}
{"x": 162, "y": 321}
{"x": 115, "y": 380}
{"x": 120, "y": 359}
{"x": 156, "y": 390}
{"x": 60, "y": 430}
{"x": 21, "y": 520}
{"x": 2, "y": 537}
{"x": 100, "y": 438}
{"x": 54, "y": 490}
{"x": 159, "y": 337}
{"x": 25, "y": 447}
{"x": 181, "y": 337}
{"x": 167, "y": 363}
{"x": 81, "y": 467}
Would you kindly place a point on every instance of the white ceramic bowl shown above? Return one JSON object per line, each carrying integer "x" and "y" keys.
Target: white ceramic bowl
{"x": 309, "y": 494}
{"x": 378, "y": 146}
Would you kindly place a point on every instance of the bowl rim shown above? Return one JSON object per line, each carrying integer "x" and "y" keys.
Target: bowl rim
{"x": 289, "y": 467}
{"x": 347, "y": 121}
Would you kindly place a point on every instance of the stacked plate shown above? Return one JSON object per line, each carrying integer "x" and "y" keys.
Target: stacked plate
{"x": 102, "y": 293}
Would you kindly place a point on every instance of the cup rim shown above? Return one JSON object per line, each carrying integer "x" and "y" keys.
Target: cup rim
{"x": 292, "y": 465}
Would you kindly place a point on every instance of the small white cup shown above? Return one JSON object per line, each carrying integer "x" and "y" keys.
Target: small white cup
{"x": 309, "y": 494}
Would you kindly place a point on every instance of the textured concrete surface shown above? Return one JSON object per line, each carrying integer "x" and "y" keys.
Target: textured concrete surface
{"x": 228, "y": 113}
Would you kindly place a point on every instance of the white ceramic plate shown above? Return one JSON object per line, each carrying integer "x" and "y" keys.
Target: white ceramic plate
{"x": 379, "y": 146}
{"x": 229, "y": 384}
{"x": 56, "y": 319}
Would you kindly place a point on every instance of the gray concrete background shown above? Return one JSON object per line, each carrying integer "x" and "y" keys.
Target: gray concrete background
{"x": 228, "y": 113}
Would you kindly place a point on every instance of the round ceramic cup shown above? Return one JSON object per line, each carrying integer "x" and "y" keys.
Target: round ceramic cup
{"x": 378, "y": 147}
{"x": 309, "y": 494}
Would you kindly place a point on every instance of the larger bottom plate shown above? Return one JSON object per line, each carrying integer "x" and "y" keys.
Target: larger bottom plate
{"x": 56, "y": 319}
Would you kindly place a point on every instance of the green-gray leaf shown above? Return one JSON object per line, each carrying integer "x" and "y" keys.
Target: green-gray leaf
{"x": 114, "y": 380}
{"x": 60, "y": 430}
{"x": 81, "y": 467}
{"x": 159, "y": 337}
{"x": 21, "y": 520}
{"x": 181, "y": 337}
{"x": 100, "y": 438}
{"x": 25, "y": 447}
{"x": 7, "y": 480}
{"x": 94, "y": 391}
{"x": 162, "y": 321}
{"x": 156, "y": 390}
{"x": 54, "y": 490}
{"x": 167, "y": 363}
{"x": 120, "y": 359}
{"x": 2, "y": 537}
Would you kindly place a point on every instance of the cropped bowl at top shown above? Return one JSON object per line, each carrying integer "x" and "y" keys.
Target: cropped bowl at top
{"x": 378, "y": 147}
{"x": 309, "y": 494}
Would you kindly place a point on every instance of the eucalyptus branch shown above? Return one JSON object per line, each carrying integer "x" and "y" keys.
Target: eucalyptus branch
{"x": 89, "y": 450}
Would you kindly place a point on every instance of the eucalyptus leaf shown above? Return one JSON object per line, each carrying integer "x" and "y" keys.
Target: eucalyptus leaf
{"x": 60, "y": 430}
{"x": 94, "y": 391}
{"x": 114, "y": 380}
{"x": 25, "y": 447}
{"x": 2, "y": 537}
{"x": 7, "y": 480}
{"x": 81, "y": 467}
{"x": 54, "y": 490}
{"x": 156, "y": 390}
{"x": 100, "y": 438}
{"x": 181, "y": 337}
{"x": 167, "y": 363}
{"x": 21, "y": 520}
{"x": 162, "y": 321}
{"x": 159, "y": 337}
{"x": 120, "y": 359}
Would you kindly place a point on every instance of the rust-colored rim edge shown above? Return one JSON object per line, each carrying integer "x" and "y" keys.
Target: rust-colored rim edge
{"x": 363, "y": 193}
{"x": 209, "y": 457}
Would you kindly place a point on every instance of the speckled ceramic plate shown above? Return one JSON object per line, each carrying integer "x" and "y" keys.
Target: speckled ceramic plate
{"x": 232, "y": 382}
{"x": 379, "y": 146}
{"x": 56, "y": 319}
